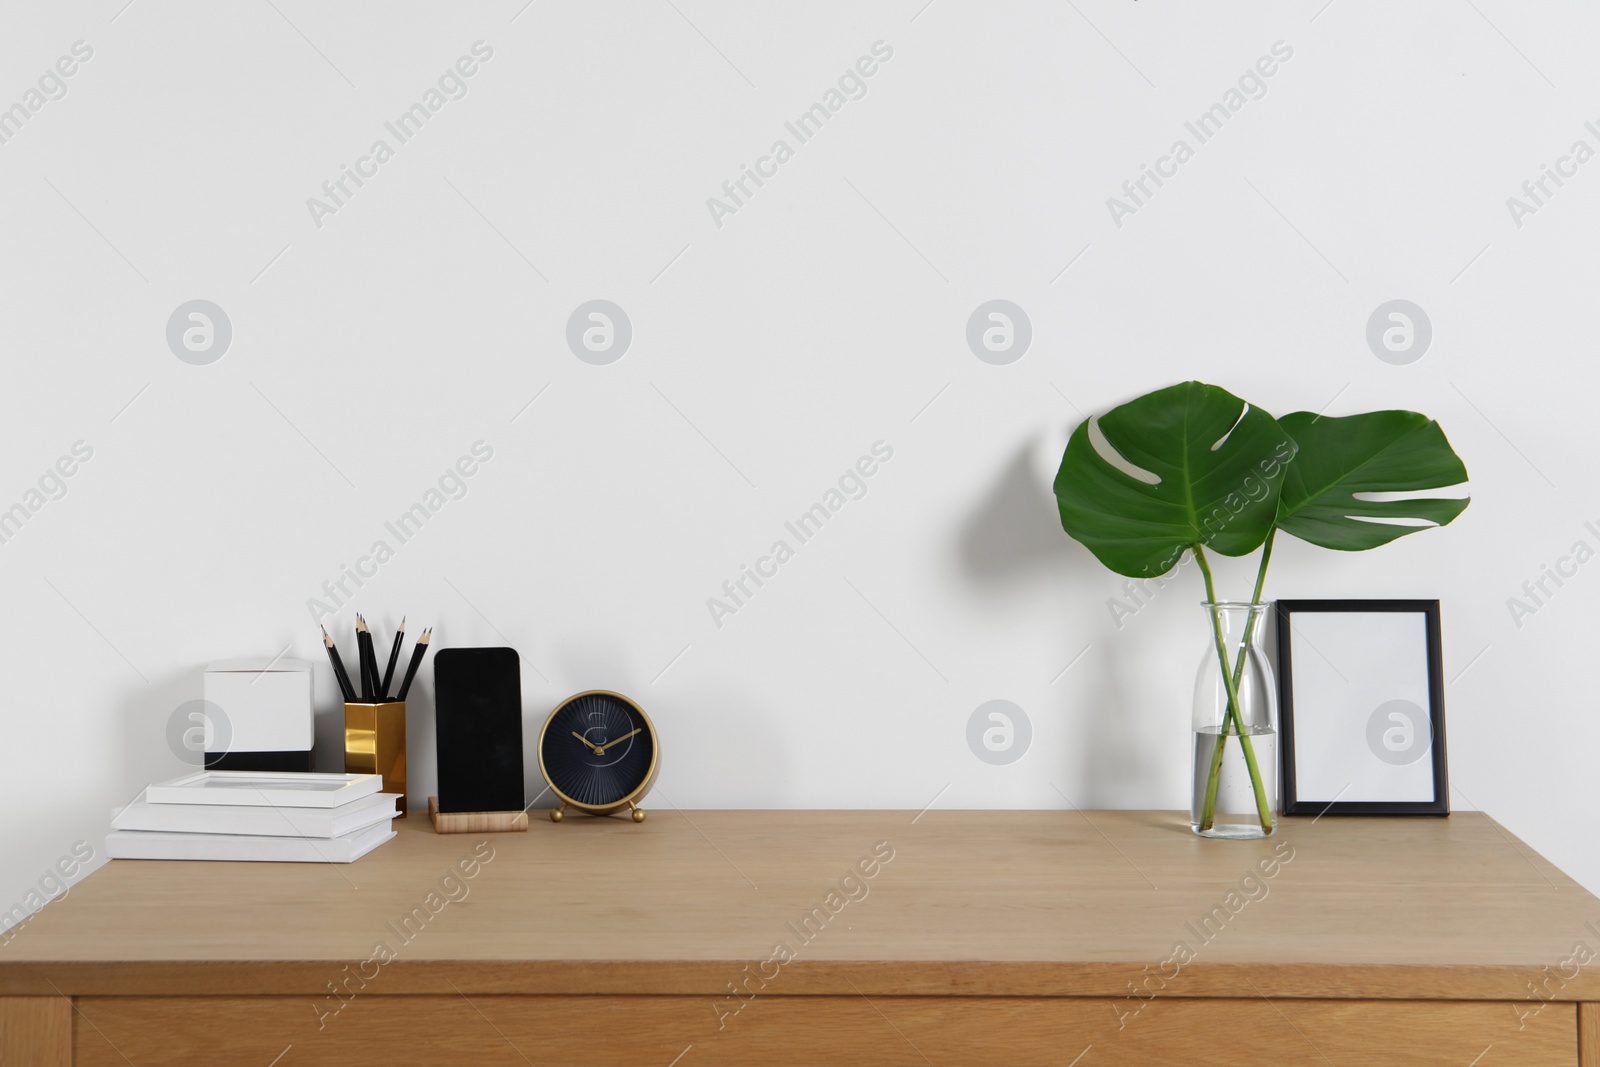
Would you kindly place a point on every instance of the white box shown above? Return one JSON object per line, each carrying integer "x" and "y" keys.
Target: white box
{"x": 265, "y": 704}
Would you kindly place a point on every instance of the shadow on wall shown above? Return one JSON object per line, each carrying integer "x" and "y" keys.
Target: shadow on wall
{"x": 154, "y": 724}
{"x": 1119, "y": 768}
{"x": 1015, "y": 532}
{"x": 1014, "y": 536}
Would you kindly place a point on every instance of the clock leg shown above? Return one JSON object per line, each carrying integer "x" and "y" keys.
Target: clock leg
{"x": 556, "y": 813}
{"x": 638, "y": 812}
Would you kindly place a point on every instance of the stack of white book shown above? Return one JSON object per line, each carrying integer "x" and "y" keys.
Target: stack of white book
{"x": 249, "y": 815}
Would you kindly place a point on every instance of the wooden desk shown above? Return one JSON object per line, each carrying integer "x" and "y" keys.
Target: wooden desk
{"x": 988, "y": 938}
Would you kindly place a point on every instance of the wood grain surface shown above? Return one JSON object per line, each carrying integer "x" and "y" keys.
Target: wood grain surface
{"x": 512, "y": 1031}
{"x": 35, "y": 1031}
{"x": 1025, "y": 903}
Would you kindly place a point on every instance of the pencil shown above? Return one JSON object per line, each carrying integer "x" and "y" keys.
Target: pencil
{"x": 417, "y": 653}
{"x": 339, "y": 674}
{"x": 394, "y": 657}
{"x": 364, "y": 645}
{"x": 372, "y": 659}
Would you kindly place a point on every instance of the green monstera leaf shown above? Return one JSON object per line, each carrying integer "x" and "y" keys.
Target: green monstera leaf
{"x": 1381, "y": 452}
{"x": 1189, "y": 464}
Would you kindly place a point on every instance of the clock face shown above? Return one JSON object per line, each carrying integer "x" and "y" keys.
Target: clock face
{"x": 597, "y": 750}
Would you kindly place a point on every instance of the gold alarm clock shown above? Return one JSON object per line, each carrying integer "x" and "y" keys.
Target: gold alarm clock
{"x": 598, "y": 752}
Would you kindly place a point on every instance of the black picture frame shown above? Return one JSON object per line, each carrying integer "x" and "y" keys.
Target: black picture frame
{"x": 1295, "y": 804}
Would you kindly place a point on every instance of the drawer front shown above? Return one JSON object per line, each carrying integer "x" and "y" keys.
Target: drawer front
{"x": 600, "y": 1031}
{"x": 35, "y": 1032}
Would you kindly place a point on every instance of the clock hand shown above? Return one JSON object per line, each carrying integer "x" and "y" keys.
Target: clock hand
{"x": 601, "y": 750}
{"x": 598, "y": 751}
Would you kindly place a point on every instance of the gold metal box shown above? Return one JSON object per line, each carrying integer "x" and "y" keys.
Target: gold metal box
{"x": 375, "y": 743}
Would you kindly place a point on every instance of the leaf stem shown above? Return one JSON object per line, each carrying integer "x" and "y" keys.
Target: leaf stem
{"x": 1232, "y": 720}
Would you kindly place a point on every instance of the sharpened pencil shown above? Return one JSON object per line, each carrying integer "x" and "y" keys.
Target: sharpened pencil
{"x": 394, "y": 657}
{"x": 417, "y": 653}
{"x": 339, "y": 674}
{"x": 372, "y": 659}
{"x": 364, "y": 646}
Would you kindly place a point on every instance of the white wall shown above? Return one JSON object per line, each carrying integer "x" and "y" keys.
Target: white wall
{"x": 769, "y": 353}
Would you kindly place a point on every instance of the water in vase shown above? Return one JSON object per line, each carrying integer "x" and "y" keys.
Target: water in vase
{"x": 1237, "y": 813}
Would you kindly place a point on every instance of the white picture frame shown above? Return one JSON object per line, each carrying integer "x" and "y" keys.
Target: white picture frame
{"x": 281, "y": 789}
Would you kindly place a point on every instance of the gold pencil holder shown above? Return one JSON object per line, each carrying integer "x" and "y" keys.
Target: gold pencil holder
{"x": 375, "y": 743}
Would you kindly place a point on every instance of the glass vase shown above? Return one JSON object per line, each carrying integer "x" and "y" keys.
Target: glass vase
{"x": 1235, "y": 728}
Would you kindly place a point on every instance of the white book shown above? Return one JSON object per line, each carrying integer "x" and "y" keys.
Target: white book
{"x": 265, "y": 822}
{"x": 151, "y": 845}
{"x": 265, "y": 789}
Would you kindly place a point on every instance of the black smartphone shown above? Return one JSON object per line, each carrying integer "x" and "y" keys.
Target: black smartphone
{"x": 478, "y": 726}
